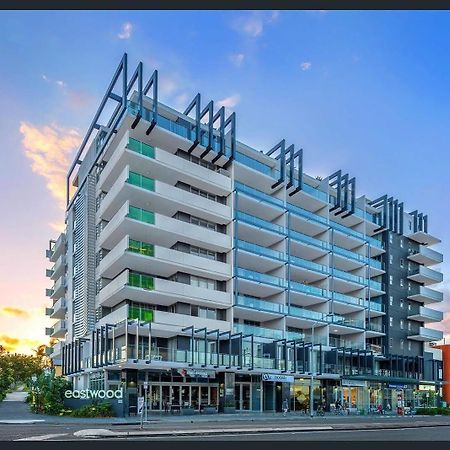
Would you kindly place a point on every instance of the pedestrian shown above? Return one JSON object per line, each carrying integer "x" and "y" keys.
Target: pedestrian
{"x": 380, "y": 409}
{"x": 285, "y": 406}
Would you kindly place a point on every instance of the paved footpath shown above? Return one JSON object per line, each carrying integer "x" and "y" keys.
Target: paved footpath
{"x": 14, "y": 409}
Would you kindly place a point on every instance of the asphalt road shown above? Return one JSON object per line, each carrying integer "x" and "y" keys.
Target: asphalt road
{"x": 64, "y": 432}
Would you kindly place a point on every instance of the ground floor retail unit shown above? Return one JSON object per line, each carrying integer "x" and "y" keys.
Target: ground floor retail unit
{"x": 192, "y": 390}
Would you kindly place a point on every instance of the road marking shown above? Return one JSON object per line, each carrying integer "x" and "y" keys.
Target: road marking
{"x": 19, "y": 421}
{"x": 44, "y": 437}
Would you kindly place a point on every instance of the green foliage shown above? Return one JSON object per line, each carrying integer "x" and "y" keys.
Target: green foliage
{"x": 17, "y": 369}
{"x": 433, "y": 411}
{"x": 103, "y": 409}
{"x": 47, "y": 395}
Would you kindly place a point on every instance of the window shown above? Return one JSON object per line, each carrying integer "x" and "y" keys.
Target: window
{"x": 402, "y": 342}
{"x": 390, "y": 279}
{"x": 401, "y": 282}
{"x": 202, "y": 252}
{"x": 391, "y": 320}
{"x": 390, "y": 238}
{"x": 410, "y": 227}
{"x": 409, "y": 306}
{"x": 390, "y": 342}
{"x": 391, "y": 300}
{"x": 401, "y": 303}
{"x": 401, "y": 262}
{"x": 401, "y": 324}
{"x": 391, "y": 259}
{"x": 409, "y": 286}
{"x": 401, "y": 242}
{"x": 201, "y": 282}
{"x": 409, "y": 345}
{"x": 409, "y": 325}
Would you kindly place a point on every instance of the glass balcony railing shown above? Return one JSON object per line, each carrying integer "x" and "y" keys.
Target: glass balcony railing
{"x": 300, "y": 262}
{"x": 141, "y": 214}
{"x": 259, "y": 250}
{"x": 346, "y": 230}
{"x": 347, "y": 276}
{"x": 141, "y": 247}
{"x": 306, "y": 313}
{"x": 349, "y": 254}
{"x": 347, "y": 343}
{"x": 348, "y": 299}
{"x": 308, "y": 240}
{"x": 260, "y": 277}
{"x": 341, "y": 320}
{"x": 140, "y": 280}
{"x": 306, "y": 289}
{"x": 257, "y": 222}
{"x": 306, "y": 214}
{"x": 141, "y": 148}
{"x": 258, "y": 331}
{"x": 375, "y": 285}
{"x": 257, "y": 165}
{"x": 374, "y": 242}
{"x": 255, "y": 193}
{"x": 375, "y": 263}
{"x": 258, "y": 304}
{"x": 141, "y": 181}
{"x": 375, "y": 326}
{"x": 296, "y": 335}
{"x": 315, "y": 192}
{"x": 374, "y": 306}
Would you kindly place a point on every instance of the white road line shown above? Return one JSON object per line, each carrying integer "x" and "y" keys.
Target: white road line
{"x": 20, "y": 421}
{"x": 44, "y": 437}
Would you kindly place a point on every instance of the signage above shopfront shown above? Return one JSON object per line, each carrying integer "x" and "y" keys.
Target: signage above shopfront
{"x": 277, "y": 378}
{"x": 91, "y": 393}
{"x": 397, "y": 386}
{"x": 196, "y": 373}
{"x": 355, "y": 383}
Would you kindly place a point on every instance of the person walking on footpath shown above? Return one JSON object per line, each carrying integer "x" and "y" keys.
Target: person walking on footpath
{"x": 285, "y": 407}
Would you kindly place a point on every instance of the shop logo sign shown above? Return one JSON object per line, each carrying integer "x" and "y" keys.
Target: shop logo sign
{"x": 90, "y": 393}
{"x": 279, "y": 378}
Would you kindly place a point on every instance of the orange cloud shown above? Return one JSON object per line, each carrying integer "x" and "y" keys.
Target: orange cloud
{"x": 14, "y": 312}
{"x": 49, "y": 148}
{"x": 14, "y": 344}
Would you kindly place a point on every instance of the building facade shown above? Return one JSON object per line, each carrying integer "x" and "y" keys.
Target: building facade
{"x": 206, "y": 274}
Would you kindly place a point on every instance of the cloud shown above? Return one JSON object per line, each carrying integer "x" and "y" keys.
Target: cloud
{"x": 237, "y": 59}
{"x": 181, "y": 101}
{"x": 168, "y": 85}
{"x": 229, "y": 102}
{"x": 58, "y": 226}
{"x": 49, "y": 148}
{"x": 305, "y": 66}
{"x": 126, "y": 31}
{"x": 14, "y": 312}
{"x": 253, "y": 24}
{"x": 15, "y": 344}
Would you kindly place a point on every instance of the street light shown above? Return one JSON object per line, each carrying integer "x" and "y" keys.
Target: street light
{"x": 311, "y": 386}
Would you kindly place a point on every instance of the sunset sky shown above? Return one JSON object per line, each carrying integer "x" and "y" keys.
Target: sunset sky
{"x": 367, "y": 92}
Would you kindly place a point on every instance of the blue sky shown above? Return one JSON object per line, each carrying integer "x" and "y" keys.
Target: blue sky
{"x": 367, "y": 92}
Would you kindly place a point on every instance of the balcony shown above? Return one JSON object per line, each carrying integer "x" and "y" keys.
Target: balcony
{"x": 425, "y": 276}
{"x": 136, "y": 255}
{"x": 307, "y": 271}
{"x": 140, "y": 224}
{"x": 59, "y": 330}
{"x": 58, "y": 248}
{"x": 426, "y": 335}
{"x": 423, "y": 238}
{"x": 427, "y": 315}
{"x": 150, "y": 290}
{"x": 167, "y": 199}
{"x": 427, "y": 295}
{"x": 347, "y": 343}
{"x": 257, "y": 309}
{"x": 258, "y": 284}
{"x": 426, "y": 256}
{"x": 345, "y": 325}
{"x": 58, "y": 268}
{"x": 346, "y": 303}
{"x": 58, "y": 288}
{"x": 267, "y": 333}
{"x": 374, "y": 329}
{"x": 170, "y": 168}
{"x": 306, "y": 294}
{"x": 59, "y": 309}
{"x": 256, "y": 257}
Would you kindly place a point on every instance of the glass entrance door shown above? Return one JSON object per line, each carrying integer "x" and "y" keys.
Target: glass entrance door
{"x": 242, "y": 395}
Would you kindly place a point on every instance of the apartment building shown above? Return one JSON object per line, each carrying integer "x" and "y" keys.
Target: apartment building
{"x": 204, "y": 273}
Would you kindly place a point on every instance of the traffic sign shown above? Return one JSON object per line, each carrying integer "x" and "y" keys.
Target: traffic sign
{"x": 140, "y": 405}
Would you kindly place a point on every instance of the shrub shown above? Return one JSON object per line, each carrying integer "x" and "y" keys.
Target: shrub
{"x": 94, "y": 410}
{"x": 433, "y": 411}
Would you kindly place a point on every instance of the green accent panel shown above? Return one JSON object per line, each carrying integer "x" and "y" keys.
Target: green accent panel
{"x": 140, "y": 147}
{"x": 135, "y": 312}
{"x": 139, "y": 180}
{"x": 141, "y": 247}
{"x": 141, "y": 215}
{"x": 140, "y": 280}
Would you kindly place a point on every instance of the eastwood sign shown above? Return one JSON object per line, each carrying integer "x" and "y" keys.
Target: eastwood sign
{"x": 89, "y": 393}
